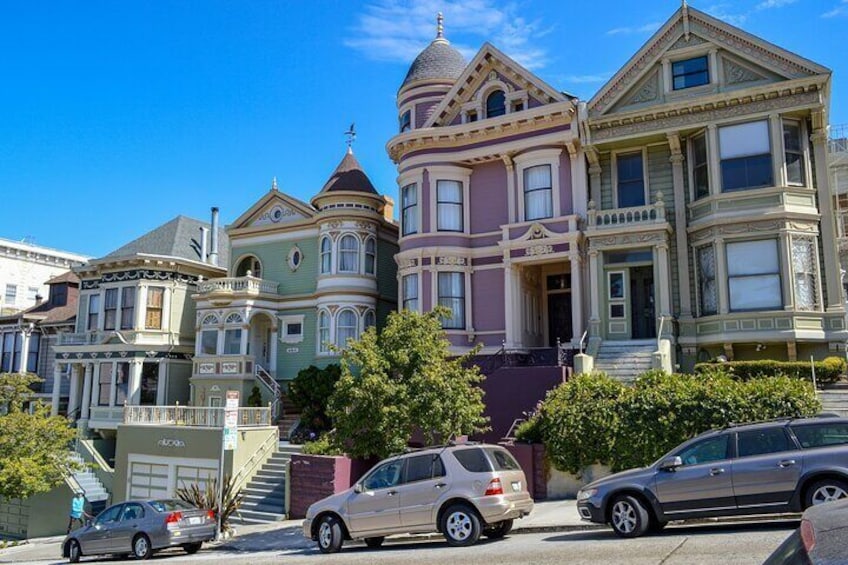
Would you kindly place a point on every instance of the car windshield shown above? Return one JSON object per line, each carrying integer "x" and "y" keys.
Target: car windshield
{"x": 170, "y": 505}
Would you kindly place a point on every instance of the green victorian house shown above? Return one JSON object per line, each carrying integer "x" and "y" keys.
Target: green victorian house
{"x": 303, "y": 278}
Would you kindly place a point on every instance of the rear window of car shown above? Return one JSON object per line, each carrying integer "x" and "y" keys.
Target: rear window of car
{"x": 170, "y": 505}
{"x": 822, "y": 435}
{"x": 473, "y": 460}
{"x": 502, "y": 459}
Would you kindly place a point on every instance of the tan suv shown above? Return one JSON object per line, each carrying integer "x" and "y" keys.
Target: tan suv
{"x": 461, "y": 490}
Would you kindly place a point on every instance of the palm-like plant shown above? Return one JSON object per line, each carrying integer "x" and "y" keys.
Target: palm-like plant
{"x": 208, "y": 498}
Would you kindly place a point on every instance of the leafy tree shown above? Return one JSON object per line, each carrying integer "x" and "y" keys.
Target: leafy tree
{"x": 310, "y": 391}
{"x": 402, "y": 380}
{"x": 34, "y": 446}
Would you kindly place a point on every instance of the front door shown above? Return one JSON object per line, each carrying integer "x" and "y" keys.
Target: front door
{"x": 642, "y": 316}
{"x": 559, "y": 318}
{"x": 377, "y": 507}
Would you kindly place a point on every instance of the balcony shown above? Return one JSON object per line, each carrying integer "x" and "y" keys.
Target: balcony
{"x": 105, "y": 417}
{"x": 193, "y": 416}
{"x": 652, "y": 216}
{"x": 224, "y": 290}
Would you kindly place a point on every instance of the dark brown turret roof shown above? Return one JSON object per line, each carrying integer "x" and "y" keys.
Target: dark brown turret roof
{"x": 349, "y": 176}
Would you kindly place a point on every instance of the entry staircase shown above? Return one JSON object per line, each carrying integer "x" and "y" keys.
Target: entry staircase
{"x": 265, "y": 494}
{"x": 93, "y": 490}
{"x": 289, "y": 418}
{"x": 625, "y": 360}
{"x": 835, "y": 399}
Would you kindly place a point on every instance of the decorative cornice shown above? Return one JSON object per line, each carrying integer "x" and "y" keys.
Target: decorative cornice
{"x": 140, "y": 274}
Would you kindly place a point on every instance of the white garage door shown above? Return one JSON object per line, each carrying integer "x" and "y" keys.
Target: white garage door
{"x": 160, "y": 477}
{"x": 148, "y": 481}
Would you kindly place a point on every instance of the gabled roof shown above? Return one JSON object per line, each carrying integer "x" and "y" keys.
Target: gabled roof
{"x": 685, "y": 23}
{"x": 178, "y": 238}
{"x": 349, "y": 177}
{"x": 475, "y": 75}
{"x": 269, "y": 201}
{"x": 66, "y": 277}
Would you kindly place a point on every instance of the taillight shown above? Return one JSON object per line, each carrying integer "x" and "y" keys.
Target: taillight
{"x": 172, "y": 519}
{"x": 808, "y": 536}
{"x": 210, "y": 514}
{"x": 494, "y": 487}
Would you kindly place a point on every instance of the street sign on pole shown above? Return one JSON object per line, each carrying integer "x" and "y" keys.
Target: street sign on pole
{"x": 229, "y": 442}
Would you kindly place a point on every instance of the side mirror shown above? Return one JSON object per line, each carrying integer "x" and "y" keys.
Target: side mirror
{"x": 671, "y": 463}
{"x": 358, "y": 488}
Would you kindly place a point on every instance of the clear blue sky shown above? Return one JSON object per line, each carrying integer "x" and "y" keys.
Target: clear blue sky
{"x": 117, "y": 116}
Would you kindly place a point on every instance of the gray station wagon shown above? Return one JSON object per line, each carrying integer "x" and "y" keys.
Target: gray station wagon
{"x": 769, "y": 467}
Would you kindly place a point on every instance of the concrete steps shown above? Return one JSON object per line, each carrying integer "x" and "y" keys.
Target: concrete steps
{"x": 264, "y": 499}
{"x": 835, "y": 400}
{"x": 94, "y": 491}
{"x": 625, "y": 360}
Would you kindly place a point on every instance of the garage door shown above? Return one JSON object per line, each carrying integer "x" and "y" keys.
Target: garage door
{"x": 160, "y": 477}
{"x": 148, "y": 481}
{"x": 201, "y": 476}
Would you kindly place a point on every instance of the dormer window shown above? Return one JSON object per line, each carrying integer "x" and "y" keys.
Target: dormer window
{"x": 406, "y": 121}
{"x": 690, "y": 73}
{"x": 496, "y": 104}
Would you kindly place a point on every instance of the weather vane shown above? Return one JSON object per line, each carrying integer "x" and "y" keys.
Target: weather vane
{"x": 351, "y": 136}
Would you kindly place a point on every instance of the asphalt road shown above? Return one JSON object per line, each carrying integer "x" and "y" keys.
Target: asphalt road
{"x": 700, "y": 545}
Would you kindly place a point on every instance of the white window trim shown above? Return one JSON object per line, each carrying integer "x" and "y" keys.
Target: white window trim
{"x": 284, "y": 322}
{"x": 816, "y": 272}
{"x": 415, "y": 177}
{"x": 805, "y": 152}
{"x": 331, "y": 338}
{"x": 532, "y": 159}
{"x": 696, "y": 254}
{"x": 434, "y": 297}
{"x": 782, "y": 257}
{"x": 459, "y": 174}
{"x": 338, "y": 254}
{"x": 165, "y": 325}
{"x": 691, "y": 53}
{"x": 364, "y": 257}
{"x": 321, "y": 239}
{"x": 417, "y": 275}
{"x": 719, "y": 188}
{"x": 690, "y": 164}
{"x": 334, "y": 323}
{"x": 614, "y": 174}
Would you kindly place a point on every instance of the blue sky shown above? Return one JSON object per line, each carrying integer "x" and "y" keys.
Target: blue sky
{"x": 117, "y": 116}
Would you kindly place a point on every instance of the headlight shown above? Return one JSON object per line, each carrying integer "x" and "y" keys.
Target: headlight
{"x": 586, "y": 494}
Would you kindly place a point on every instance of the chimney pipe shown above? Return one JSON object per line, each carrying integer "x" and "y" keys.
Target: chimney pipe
{"x": 204, "y": 244}
{"x": 213, "y": 255}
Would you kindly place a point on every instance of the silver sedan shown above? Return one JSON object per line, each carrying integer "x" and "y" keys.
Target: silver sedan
{"x": 139, "y": 528}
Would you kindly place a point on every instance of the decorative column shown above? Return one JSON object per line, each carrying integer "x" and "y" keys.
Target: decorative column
{"x": 140, "y": 307}
{"x": 272, "y": 349}
{"x": 595, "y": 184}
{"x": 776, "y": 139}
{"x": 245, "y": 337}
{"x": 576, "y": 300}
{"x": 73, "y": 393}
{"x": 681, "y": 238}
{"x": 784, "y": 247}
{"x": 579, "y": 192}
{"x": 56, "y": 392}
{"x": 134, "y": 385}
{"x": 86, "y": 392}
{"x": 594, "y": 296}
{"x": 663, "y": 290}
{"x": 95, "y": 385}
{"x": 510, "y": 188}
{"x": 162, "y": 384}
{"x": 26, "y": 331}
{"x": 828, "y": 229}
{"x": 721, "y": 277}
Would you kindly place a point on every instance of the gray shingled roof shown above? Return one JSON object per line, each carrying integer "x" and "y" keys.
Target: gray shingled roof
{"x": 178, "y": 238}
{"x": 438, "y": 60}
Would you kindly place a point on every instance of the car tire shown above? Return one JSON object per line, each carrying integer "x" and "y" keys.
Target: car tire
{"x": 374, "y": 543}
{"x": 461, "y": 525}
{"x": 141, "y": 547}
{"x": 74, "y": 551}
{"x": 628, "y": 517}
{"x": 330, "y": 536}
{"x": 498, "y": 530}
{"x": 192, "y": 548}
{"x": 825, "y": 490}
{"x": 656, "y": 526}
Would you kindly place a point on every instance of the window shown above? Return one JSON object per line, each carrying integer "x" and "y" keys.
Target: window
{"x": 495, "y": 104}
{"x": 32, "y": 356}
{"x": 449, "y": 205}
{"x": 385, "y": 476}
{"x": 8, "y": 348}
{"x": 793, "y": 152}
{"x": 370, "y": 319}
{"x": 294, "y": 329}
{"x": 410, "y": 293}
{"x": 689, "y": 73}
{"x": 471, "y": 116}
{"x": 127, "y": 308}
{"x": 153, "y": 314}
{"x": 370, "y": 255}
{"x": 821, "y": 435}
{"x": 18, "y": 345}
{"x": 58, "y": 294}
{"x": 804, "y": 267}
{"x": 452, "y": 295}
{"x": 104, "y": 384}
{"x": 232, "y": 341}
{"x": 759, "y": 442}
{"x": 406, "y": 121}
{"x": 209, "y": 342}
{"x": 249, "y": 265}
{"x": 122, "y": 380}
{"x": 753, "y": 275}
{"x": 538, "y": 201}
{"x": 348, "y": 254}
{"x": 517, "y": 106}
{"x": 700, "y": 166}
{"x": 11, "y": 293}
{"x": 424, "y": 468}
{"x": 110, "y": 309}
{"x": 706, "y": 451}
{"x": 132, "y": 512}
{"x": 326, "y": 255}
{"x": 473, "y": 460}
{"x": 346, "y": 326}
{"x": 409, "y": 208}
{"x": 291, "y": 328}
{"x": 149, "y": 384}
{"x": 93, "y": 311}
{"x": 631, "y": 180}
{"x": 502, "y": 459}
{"x": 745, "y": 156}
{"x": 323, "y": 332}
{"x": 109, "y": 515}
{"x": 707, "y": 280}
{"x": 32, "y": 293}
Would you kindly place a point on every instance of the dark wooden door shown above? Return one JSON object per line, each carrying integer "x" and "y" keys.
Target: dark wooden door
{"x": 642, "y": 316}
{"x": 559, "y": 318}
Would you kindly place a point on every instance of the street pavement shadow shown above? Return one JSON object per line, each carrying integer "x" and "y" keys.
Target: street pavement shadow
{"x": 682, "y": 530}
{"x": 290, "y": 538}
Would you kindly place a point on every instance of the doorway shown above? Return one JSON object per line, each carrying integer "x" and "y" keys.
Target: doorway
{"x": 642, "y": 313}
{"x": 558, "y": 287}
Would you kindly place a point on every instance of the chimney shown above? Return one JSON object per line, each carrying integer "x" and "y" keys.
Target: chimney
{"x": 204, "y": 244}
{"x": 213, "y": 255}
{"x": 388, "y": 208}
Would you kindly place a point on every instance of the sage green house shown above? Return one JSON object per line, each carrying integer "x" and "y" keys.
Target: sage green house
{"x": 303, "y": 278}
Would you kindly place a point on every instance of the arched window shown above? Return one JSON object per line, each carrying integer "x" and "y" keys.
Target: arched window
{"x": 234, "y": 318}
{"x": 208, "y": 343}
{"x": 348, "y": 254}
{"x": 326, "y": 255}
{"x": 370, "y": 256}
{"x": 370, "y": 319}
{"x": 251, "y": 264}
{"x": 232, "y": 335}
{"x": 323, "y": 332}
{"x": 346, "y": 326}
{"x": 210, "y": 320}
{"x": 495, "y": 104}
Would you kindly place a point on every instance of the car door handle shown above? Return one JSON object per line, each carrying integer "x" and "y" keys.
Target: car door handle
{"x": 716, "y": 471}
{"x": 391, "y": 493}
{"x": 440, "y": 485}
{"x": 787, "y": 463}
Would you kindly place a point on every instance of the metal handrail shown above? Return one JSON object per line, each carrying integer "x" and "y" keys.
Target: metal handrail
{"x": 272, "y": 385}
{"x": 253, "y": 461}
{"x": 583, "y": 340}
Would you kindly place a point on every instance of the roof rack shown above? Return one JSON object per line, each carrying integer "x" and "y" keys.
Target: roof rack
{"x": 738, "y": 424}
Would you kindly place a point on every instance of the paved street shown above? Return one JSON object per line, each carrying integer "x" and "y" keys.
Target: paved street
{"x": 702, "y": 544}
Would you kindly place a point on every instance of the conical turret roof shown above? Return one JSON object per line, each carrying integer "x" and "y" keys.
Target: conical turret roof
{"x": 350, "y": 177}
{"x": 439, "y": 60}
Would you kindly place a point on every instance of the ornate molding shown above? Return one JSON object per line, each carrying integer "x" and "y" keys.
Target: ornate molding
{"x": 606, "y": 242}
{"x": 138, "y": 274}
{"x": 452, "y": 260}
{"x": 735, "y": 73}
{"x": 649, "y": 91}
{"x": 541, "y": 249}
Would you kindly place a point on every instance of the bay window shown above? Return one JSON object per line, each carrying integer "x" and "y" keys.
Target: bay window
{"x": 451, "y": 289}
{"x": 110, "y": 309}
{"x": 153, "y": 314}
{"x": 348, "y": 254}
{"x": 323, "y": 332}
{"x": 409, "y": 209}
{"x": 804, "y": 269}
{"x": 449, "y": 205}
{"x": 104, "y": 384}
{"x": 346, "y": 326}
{"x": 631, "y": 180}
{"x": 326, "y": 255}
{"x": 538, "y": 194}
{"x": 753, "y": 271}
{"x": 122, "y": 382}
{"x": 700, "y": 166}
{"x": 370, "y": 256}
{"x": 410, "y": 293}
{"x": 209, "y": 342}
{"x": 745, "y": 156}
{"x": 707, "y": 280}
{"x": 93, "y": 312}
{"x": 128, "y": 308}
{"x": 793, "y": 152}
{"x": 232, "y": 341}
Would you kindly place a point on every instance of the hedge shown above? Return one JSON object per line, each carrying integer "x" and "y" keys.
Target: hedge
{"x": 827, "y": 371}
{"x": 595, "y": 419}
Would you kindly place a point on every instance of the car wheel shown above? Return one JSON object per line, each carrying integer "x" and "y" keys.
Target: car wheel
{"x": 74, "y": 551}
{"x": 374, "y": 542}
{"x": 499, "y": 530}
{"x": 329, "y": 534}
{"x": 141, "y": 547}
{"x": 192, "y": 548}
{"x": 656, "y": 526}
{"x": 461, "y": 525}
{"x": 826, "y": 490}
{"x": 628, "y": 517}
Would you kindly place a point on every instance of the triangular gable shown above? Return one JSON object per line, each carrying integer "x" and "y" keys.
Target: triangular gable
{"x": 275, "y": 208}
{"x": 751, "y": 59}
{"x": 490, "y": 64}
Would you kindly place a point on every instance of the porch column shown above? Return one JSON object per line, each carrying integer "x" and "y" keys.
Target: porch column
{"x": 26, "y": 330}
{"x": 113, "y": 384}
{"x": 73, "y": 393}
{"x": 510, "y": 313}
{"x": 663, "y": 290}
{"x": 134, "y": 385}
{"x": 55, "y": 393}
{"x": 832, "y": 274}
{"x": 86, "y": 392}
{"x": 579, "y": 196}
{"x": 162, "y": 385}
{"x": 595, "y": 185}
{"x": 95, "y": 385}
{"x": 510, "y": 188}
{"x": 576, "y": 301}
{"x": 272, "y": 350}
{"x": 680, "y": 228}
{"x": 721, "y": 277}
{"x": 245, "y": 337}
{"x": 594, "y": 296}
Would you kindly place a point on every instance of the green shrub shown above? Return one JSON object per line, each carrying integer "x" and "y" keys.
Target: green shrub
{"x": 321, "y": 446}
{"x": 310, "y": 391}
{"x": 827, "y": 371}
{"x": 255, "y": 398}
{"x": 529, "y": 431}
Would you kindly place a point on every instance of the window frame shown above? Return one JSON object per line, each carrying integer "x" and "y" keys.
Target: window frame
{"x": 529, "y": 191}
{"x": 814, "y": 275}
{"x": 255, "y": 267}
{"x": 700, "y": 279}
{"x": 706, "y": 71}
{"x": 730, "y": 278}
{"x": 748, "y": 157}
{"x": 694, "y": 166}
{"x": 499, "y": 110}
{"x": 108, "y": 293}
{"x": 160, "y": 309}
{"x": 405, "y": 299}
{"x": 285, "y": 322}
{"x": 353, "y": 328}
{"x": 405, "y": 121}
{"x": 370, "y": 256}
{"x": 342, "y": 253}
{"x": 801, "y": 152}
{"x": 412, "y": 209}
{"x": 128, "y": 307}
{"x": 326, "y": 255}
{"x": 324, "y": 325}
{"x": 460, "y": 205}
{"x": 92, "y": 322}
{"x": 459, "y": 322}
{"x": 616, "y": 157}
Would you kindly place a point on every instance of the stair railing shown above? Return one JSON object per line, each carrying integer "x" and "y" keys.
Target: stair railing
{"x": 273, "y": 387}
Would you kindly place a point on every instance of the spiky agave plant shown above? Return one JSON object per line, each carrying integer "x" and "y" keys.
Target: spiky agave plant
{"x": 208, "y": 498}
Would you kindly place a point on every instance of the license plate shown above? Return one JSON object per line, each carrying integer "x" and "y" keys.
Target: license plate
{"x": 516, "y": 486}
{"x": 196, "y": 520}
